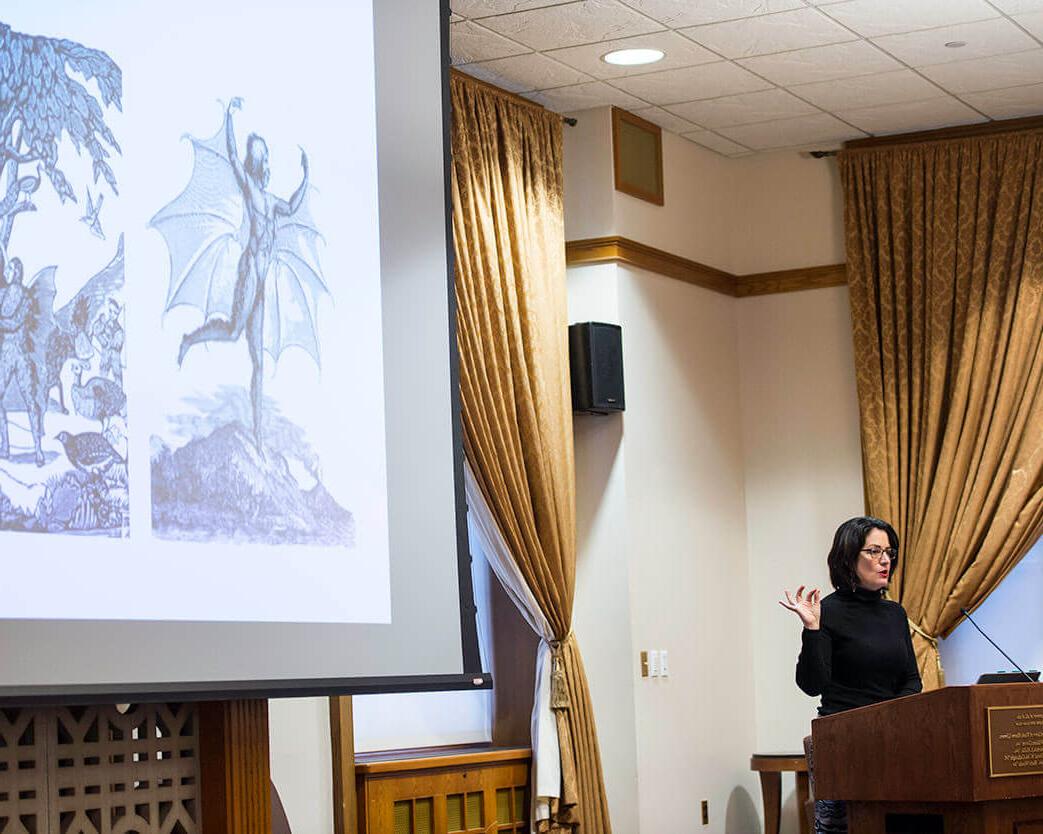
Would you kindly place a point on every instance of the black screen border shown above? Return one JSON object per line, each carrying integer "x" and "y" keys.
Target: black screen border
{"x": 470, "y": 679}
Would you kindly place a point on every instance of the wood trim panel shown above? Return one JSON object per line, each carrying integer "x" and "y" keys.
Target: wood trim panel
{"x": 622, "y": 250}
{"x": 630, "y": 252}
{"x": 342, "y": 736}
{"x": 791, "y": 280}
{"x": 376, "y": 763}
{"x": 942, "y": 134}
{"x": 234, "y": 772}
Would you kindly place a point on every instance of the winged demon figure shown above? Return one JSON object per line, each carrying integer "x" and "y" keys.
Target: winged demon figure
{"x": 242, "y": 256}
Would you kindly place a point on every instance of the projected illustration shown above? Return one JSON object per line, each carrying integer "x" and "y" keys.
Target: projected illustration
{"x": 248, "y": 261}
{"x": 192, "y": 346}
{"x": 63, "y": 449}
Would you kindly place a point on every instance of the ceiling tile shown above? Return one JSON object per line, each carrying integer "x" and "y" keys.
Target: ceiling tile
{"x": 987, "y": 37}
{"x": 691, "y": 83}
{"x": 523, "y": 73}
{"x": 666, "y": 120}
{"x": 1032, "y": 22}
{"x": 470, "y": 42}
{"x": 1018, "y": 6}
{"x": 779, "y": 32}
{"x": 873, "y": 18}
{"x": 486, "y": 8}
{"x": 585, "y": 97}
{"x": 749, "y": 107}
{"x": 992, "y": 73}
{"x": 867, "y": 90}
{"x": 808, "y": 130}
{"x": 711, "y": 140}
{"x": 677, "y": 13}
{"x": 823, "y": 63}
{"x": 944, "y": 111}
{"x": 1010, "y": 103}
{"x": 679, "y": 52}
{"x": 572, "y": 24}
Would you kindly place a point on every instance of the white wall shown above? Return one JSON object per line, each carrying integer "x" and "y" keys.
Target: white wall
{"x": 802, "y": 472}
{"x": 662, "y": 557}
{"x": 757, "y": 214}
{"x": 587, "y": 160}
{"x": 698, "y": 190}
{"x": 687, "y": 549}
{"x": 802, "y": 476}
{"x": 302, "y": 762}
{"x": 789, "y": 213}
{"x": 601, "y": 617}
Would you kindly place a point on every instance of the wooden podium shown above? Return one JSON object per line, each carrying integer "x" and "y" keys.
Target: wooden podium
{"x": 958, "y": 760}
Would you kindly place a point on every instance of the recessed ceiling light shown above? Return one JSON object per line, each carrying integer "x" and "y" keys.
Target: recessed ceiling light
{"x": 955, "y": 44}
{"x": 633, "y": 57}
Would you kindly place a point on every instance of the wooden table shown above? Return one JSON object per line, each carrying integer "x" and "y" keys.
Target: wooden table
{"x": 771, "y": 766}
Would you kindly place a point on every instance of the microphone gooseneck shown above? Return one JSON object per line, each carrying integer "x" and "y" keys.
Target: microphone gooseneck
{"x": 967, "y": 614}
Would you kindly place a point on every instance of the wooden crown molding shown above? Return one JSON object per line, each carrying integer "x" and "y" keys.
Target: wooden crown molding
{"x": 622, "y": 250}
{"x": 791, "y": 280}
{"x": 602, "y": 250}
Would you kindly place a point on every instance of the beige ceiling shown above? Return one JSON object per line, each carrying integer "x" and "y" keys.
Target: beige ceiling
{"x": 742, "y": 76}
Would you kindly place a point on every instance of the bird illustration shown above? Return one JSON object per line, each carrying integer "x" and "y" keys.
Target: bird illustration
{"x": 89, "y": 451}
{"x": 93, "y": 216}
{"x": 100, "y": 399}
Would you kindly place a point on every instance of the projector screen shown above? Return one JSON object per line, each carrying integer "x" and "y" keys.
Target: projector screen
{"x": 229, "y": 448}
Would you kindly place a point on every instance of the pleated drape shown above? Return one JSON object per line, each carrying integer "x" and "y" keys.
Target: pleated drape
{"x": 945, "y": 265}
{"x": 512, "y": 333}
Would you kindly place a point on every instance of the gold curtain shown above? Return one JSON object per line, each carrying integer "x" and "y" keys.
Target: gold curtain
{"x": 508, "y": 227}
{"x": 945, "y": 266}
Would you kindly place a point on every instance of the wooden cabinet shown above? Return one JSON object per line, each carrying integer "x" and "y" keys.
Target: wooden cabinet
{"x": 446, "y": 791}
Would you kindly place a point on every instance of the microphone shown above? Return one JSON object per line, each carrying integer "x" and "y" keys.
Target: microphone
{"x": 967, "y": 614}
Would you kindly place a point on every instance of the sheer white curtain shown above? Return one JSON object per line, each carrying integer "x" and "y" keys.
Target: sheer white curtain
{"x": 546, "y": 757}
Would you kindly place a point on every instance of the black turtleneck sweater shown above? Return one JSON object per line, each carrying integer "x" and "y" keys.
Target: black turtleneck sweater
{"x": 861, "y": 654}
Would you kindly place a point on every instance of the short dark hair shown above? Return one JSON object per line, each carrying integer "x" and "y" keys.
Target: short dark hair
{"x": 847, "y": 544}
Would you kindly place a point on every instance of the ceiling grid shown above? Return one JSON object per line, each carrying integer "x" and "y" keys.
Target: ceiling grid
{"x": 743, "y": 76}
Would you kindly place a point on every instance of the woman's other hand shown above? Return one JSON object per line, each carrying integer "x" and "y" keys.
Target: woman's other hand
{"x": 808, "y": 608}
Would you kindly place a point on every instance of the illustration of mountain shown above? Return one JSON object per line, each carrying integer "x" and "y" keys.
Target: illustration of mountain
{"x": 218, "y": 487}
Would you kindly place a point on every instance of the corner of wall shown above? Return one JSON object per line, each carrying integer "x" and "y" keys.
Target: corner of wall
{"x": 602, "y": 616}
{"x": 587, "y": 159}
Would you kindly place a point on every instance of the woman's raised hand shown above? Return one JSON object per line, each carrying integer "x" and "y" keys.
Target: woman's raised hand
{"x": 808, "y": 608}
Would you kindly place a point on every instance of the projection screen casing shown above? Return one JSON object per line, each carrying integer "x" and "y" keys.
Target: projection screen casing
{"x": 431, "y": 641}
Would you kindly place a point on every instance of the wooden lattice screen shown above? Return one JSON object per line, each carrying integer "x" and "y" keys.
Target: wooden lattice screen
{"x": 99, "y": 770}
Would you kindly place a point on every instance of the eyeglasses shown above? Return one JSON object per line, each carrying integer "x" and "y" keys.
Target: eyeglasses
{"x": 875, "y": 553}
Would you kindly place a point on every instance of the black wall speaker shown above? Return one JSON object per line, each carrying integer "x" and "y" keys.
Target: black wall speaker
{"x": 596, "y": 361}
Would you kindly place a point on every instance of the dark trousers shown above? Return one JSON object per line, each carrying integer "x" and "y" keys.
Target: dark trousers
{"x": 830, "y": 816}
